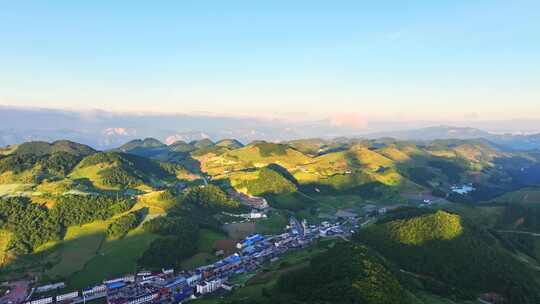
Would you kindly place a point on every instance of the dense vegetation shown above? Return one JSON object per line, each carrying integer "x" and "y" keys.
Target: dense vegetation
{"x": 210, "y": 197}
{"x": 452, "y": 169}
{"x": 268, "y": 181}
{"x": 51, "y": 166}
{"x": 347, "y": 273}
{"x": 180, "y": 237}
{"x": 122, "y": 225}
{"x": 81, "y": 209}
{"x": 64, "y": 146}
{"x": 125, "y": 170}
{"x": 418, "y": 230}
{"x": 31, "y": 224}
{"x": 436, "y": 252}
{"x": 34, "y": 225}
{"x": 521, "y": 216}
{"x": 269, "y": 149}
{"x": 455, "y": 260}
{"x": 180, "y": 228}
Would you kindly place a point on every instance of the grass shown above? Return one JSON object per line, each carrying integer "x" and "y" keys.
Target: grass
{"x": 528, "y": 196}
{"x": 290, "y": 201}
{"x": 199, "y": 259}
{"x": 155, "y": 203}
{"x": 15, "y": 188}
{"x": 80, "y": 245}
{"x": 115, "y": 257}
{"x": 332, "y": 203}
{"x": 55, "y": 187}
{"x": 249, "y": 157}
{"x": 486, "y": 216}
{"x": 274, "y": 224}
{"x": 206, "y": 248}
{"x": 426, "y": 298}
{"x": 207, "y": 239}
{"x": 240, "y": 230}
{"x": 85, "y": 256}
{"x": 266, "y": 279}
{"x": 241, "y": 279}
{"x": 92, "y": 174}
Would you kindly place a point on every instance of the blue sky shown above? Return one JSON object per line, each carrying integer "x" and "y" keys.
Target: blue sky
{"x": 296, "y": 59}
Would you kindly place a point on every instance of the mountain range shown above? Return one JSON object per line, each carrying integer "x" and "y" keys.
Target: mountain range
{"x": 107, "y": 130}
{"x": 148, "y": 205}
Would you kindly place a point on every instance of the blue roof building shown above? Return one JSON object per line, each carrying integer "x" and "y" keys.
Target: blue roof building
{"x": 115, "y": 285}
{"x": 178, "y": 282}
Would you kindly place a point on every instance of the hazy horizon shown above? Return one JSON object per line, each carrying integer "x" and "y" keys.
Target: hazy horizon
{"x": 350, "y": 62}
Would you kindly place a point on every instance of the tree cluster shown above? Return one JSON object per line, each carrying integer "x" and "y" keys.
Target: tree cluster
{"x": 179, "y": 241}
{"x": 122, "y": 225}
{"x": 82, "y": 209}
{"x": 459, "y": 265}
{"x": 268, "y": 181}
{"x": 347, "y": 273}
{"x": 30, "y": 223}
{"x": 33, "y": 224}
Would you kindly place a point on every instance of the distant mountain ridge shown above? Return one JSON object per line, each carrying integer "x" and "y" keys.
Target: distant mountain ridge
{"x": 509, "y": 141}
{"x": 107, "y": 130}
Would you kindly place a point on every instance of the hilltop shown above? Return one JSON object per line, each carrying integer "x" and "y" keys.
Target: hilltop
{"x": 175, "y": 203}
{"x": 451, "y": 255}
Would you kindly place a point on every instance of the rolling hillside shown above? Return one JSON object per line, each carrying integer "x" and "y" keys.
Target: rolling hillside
{"x": 451, "y": 256}
{"x": 84, "y": 198}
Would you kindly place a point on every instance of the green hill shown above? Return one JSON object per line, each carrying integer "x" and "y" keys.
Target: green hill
{"x": 317, "y": 146}
{"x": 149, "y": 147}
{"x": 58, "y": 200}
{"x": 35, "y": 168}
{"x": 203, "y": 143}
{"x": 451, "y": 256}
{"x": 144, "y": 143}
{"x": 229, "y": 143}
{"x": 112, "y": 170}
{"x": 181, "y": 146}
{"x": 44, "y": 148}
{"x": 267, "y": 181}
{"x": 347, "y": 273}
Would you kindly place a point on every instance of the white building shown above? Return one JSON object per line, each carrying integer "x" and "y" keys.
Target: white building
{"x": 67, "y": 296}
{"x": 42, "y": 301}
{"x": 50, "y": 287}
{"x": 209, "y": 286}
{"x": 256, "y": 214}
{"x": 167, "y": 271}
{"x": 144, "y": 299}
{"x": 94, "y": 290}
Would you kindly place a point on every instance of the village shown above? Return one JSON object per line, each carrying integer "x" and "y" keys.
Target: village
{"x": 170, "y": 286}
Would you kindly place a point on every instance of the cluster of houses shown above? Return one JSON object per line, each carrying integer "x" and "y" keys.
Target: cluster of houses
{"x": 168, "y": 286}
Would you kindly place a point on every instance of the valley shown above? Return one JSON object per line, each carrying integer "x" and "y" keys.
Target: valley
{"x": 73, "y": 214}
